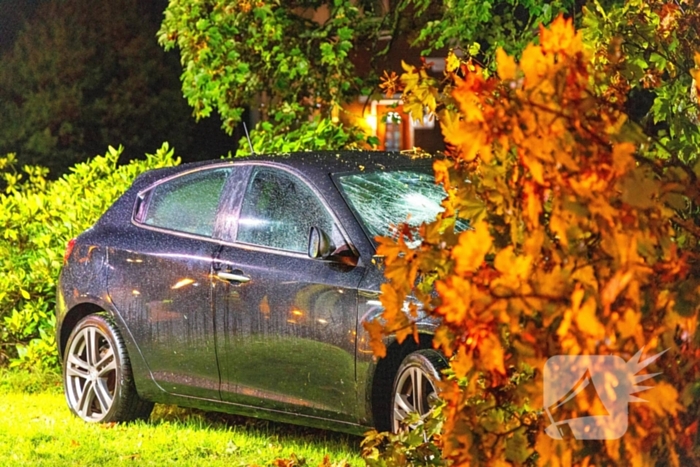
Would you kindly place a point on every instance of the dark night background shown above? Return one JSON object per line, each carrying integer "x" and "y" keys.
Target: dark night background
{"x": 13, "y": 13}
{"x": 192, "y": 141}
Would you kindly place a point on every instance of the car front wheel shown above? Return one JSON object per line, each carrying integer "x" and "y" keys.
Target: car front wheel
{"x": 97, "y": 376}
{"x": 414, "y": 386}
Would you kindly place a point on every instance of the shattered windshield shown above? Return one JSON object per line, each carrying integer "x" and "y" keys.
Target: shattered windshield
{"x": 384, "y": 200}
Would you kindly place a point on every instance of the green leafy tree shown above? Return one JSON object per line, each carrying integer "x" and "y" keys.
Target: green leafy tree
{"x": 276, "y": 57}
{"x": 316, "y": 134}
{"x": 296, "y": 62}
{"x": 83, "y": 75}
{"x": 479, "y": 28}
{"x": 653, "y": 45}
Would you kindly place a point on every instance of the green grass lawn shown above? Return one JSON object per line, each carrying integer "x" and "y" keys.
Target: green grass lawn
{"x": 37, "y": 429}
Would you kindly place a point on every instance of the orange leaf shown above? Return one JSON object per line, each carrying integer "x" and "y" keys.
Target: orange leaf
{"x": 462, "y": 363}
{"x": 508, "y": 264}
{"x": 536, "y": 169}
{"x": 376, "y": 334}
{"x": 560, "y": 37}
{"x": 587, "y": 321}
{"x": 534, "y": 65}
{"x": 504, "y": 260}
{"x": 455, "y": 131}
{"x": 473, "y": 246}
{"x": 466, "y": 94}
{"x": 628, "y": 326}
{"x": 506, "y": 65}
{"x": 390, "y": 83}
{"x": 404, "y": 331}
{"x": 392, "y": 303}
{"x": 441, "y": 167}
{"x": 492, "y": 354}
{"x": 455, "y": 299}
{"x": 389, "y": 248}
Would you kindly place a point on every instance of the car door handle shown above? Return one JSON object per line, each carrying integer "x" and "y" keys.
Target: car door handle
{"x": 233, "y": 277}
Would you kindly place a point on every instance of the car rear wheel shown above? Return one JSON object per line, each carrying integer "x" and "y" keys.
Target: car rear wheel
{"x": 97, "y": 376}
{"x": 414, "y": 386}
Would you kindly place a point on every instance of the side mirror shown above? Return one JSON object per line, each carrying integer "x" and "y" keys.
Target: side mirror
{"x": 320, "y": 244}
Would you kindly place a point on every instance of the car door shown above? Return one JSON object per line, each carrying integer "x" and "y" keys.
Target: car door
{"x": 160, "y": 280}
{"x": 286, "y": 323}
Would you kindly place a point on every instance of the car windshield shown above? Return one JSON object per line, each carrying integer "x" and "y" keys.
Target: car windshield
{"x": 383, "y": 200}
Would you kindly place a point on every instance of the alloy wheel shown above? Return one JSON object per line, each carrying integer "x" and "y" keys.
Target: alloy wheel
{"x": 414, "y": 393}
{"x": 91, "y": 374}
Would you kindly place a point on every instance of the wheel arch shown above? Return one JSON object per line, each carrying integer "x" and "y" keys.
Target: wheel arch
{"x": 385, "y": 372}
{"x": 143, "y": 379}
{"x": 73, "y": 316}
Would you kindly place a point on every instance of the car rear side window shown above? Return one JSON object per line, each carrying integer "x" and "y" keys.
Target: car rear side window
{"x": 279, "y": 210}
{"x": 186, "y": 204}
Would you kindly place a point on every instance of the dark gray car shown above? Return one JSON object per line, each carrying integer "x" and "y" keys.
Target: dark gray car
{"x": 241, "y": 286}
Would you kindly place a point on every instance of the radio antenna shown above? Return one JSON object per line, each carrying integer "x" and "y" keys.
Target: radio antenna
{"x": 250, "y": 143}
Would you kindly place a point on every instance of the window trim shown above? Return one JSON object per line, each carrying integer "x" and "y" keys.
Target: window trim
{"x": 299, "y": 176}
{"x": 143, "y": 201}
{"x": 217, "y": 239}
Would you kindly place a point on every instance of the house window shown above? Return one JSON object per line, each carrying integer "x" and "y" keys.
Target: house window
{"x": 392, "y": 136}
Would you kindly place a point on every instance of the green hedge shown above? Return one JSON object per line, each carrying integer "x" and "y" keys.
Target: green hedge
{"x": 38, "y": 217}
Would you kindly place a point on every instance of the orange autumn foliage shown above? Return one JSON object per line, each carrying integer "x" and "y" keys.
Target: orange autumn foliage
{"x": 572, "y": 252}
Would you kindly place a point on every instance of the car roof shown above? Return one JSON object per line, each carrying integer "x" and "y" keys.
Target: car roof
{"x": 312, "y": 163}
{"x": 343, "y": 161}
{"x": 331, "y": 162}
{"x": 327, "y": 161}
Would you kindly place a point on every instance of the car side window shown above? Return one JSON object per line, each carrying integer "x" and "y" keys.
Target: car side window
{"x": 188, "y": 203}
{"x": 279, "y": 210}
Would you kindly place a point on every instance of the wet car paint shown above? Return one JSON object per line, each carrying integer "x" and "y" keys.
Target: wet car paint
{"x": 311, "y": 321}
{"x": 165, "y": 296}
{"x": 288, "y": 344}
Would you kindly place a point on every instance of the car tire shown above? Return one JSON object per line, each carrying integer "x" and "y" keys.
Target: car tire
{"x": 97, "y": 378}
{"x": 414, "y": 388}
